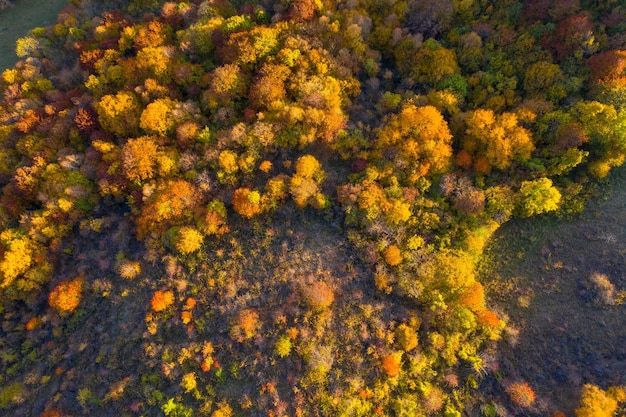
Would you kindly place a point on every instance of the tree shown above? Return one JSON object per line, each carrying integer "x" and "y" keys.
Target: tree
{"x": 521, "y": 394}
{"x": 497, "y": 138}
{"x": 66, "y": 296}
{"x": 139, "y": 158}
{"x": 119, "y": 113}
{"x": 161, "y": 300}
{"x": 172, "y": 203}
{"x": 538, "y": 196}
{"x": 422, "y": 139}
{"x": 188, "y": 240}
{"x": 247, "y": 202}
{"x": 158, "y": 117}
{"x": 595, "y": 402}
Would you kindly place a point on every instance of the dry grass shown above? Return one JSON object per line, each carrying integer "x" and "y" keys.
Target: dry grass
{"x": 568, "y": 332}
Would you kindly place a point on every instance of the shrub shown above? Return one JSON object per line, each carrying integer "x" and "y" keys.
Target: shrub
{"x": 391, "y": 364}
{"x": 393, "y": 255}
{"x": 66, "y": 296}
{"x": 319, "y": 295}
{"x": 521, "y": 394}
{"x": 129, "y": 269}
{"x": 161, "y": 300}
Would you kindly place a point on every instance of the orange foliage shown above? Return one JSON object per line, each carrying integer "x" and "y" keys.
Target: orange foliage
{"x": 246, "y": 325}
{"x": 54, "y": 412}
{"x": 474, "y": 297}
{"x": 521, "y": 394}
{"x": 173, "y": 200}
{"x": 319, "y": 295}
{"x": 28, "y": 122}
{"x": 391, "y": 365}
{"x": 301, "y": 10}
{"x": 464, "y": 159}
{"x": 421, "y": 135}
{"x": 66, "y": 296}
{"x": 246, "y": 202}
{"x": 33, "y": 323}
{"x": 488, "y": 318}
{"x": 161, "y": 300}
{"x": 86, "y": 120}
{"x": 186, "y": 317}
{"x": 393, "y": 255}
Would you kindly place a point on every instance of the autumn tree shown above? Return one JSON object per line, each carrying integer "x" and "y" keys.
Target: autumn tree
{"x": 247, "y": 202}
{"x": 188, "y": 240}
{"x": 420, "y": 139}
{"x": 521, "y": 394}
{"x": 158, "y": 117}
{"x": 139, "y": 158}
{"x": 595, "y": 402}
{"x": 304, "y": 185}
{"x": 66, "y": 296}
{"x": 119, "y": 113}
{"x": 538, "y": 196}
{"x": 172, "y": 203}
{"x": 499, "y": 139}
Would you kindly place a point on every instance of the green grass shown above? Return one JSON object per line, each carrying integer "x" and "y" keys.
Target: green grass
{"x": 17, "y": 21}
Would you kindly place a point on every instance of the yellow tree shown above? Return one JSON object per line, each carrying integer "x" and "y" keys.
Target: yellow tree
{"x": 158, "y": 117}
{"x": 139, "y": 158}
{"x": 422, "y": 141}
{"x": 499, "y": 139}
{"x": 119, "y": 113}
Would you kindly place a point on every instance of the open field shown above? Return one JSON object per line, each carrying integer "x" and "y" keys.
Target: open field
{"x": 562, "y": 334}
{"x": 17, "y": 21}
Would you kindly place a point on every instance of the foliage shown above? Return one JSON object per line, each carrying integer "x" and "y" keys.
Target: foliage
{"x": 66, "y": 296}
{"x": 132, "y": 131}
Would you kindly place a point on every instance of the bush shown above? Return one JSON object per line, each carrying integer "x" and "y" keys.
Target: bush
{"x": 66, "y": 296}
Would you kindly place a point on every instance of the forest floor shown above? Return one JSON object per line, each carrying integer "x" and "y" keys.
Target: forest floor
{"x": 17, "y": 20}
{"x": 562, "y": 333}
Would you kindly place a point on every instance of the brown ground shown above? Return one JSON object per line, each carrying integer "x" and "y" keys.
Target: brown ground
{"x": 562, "y": 334}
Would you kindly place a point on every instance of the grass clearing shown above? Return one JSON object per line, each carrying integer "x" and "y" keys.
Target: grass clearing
{"x": 17, "y": 21}
{"x": 563, "y": 334}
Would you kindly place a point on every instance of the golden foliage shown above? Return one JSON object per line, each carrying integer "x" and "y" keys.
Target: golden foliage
{"x": 139, "y": 158}
{"x": 595, "y": 402}
{"x": 66, "y": 296}
{"x": 422, "y": 137}
{"x": 119, "y": 113}
{"x": 158, "y": 117}
{"x": 188, "y": 240}
{"x": 499, "y": 139}
{"x": 161, "y": 300}
{"x": 406, "y": 337}
{"x": 17, "y": 259}
{"x": 393, "y": 255}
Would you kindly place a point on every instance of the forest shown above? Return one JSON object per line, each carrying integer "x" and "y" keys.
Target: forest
{"x": 281, "y": 207}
